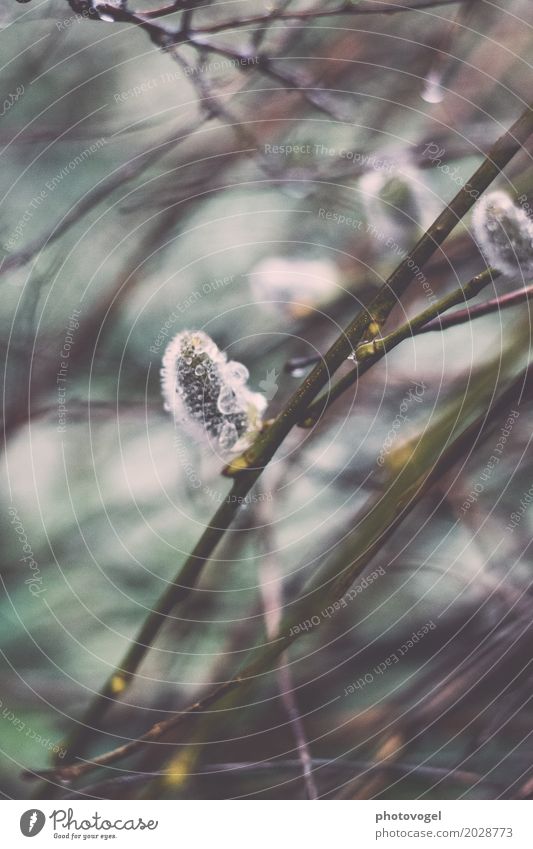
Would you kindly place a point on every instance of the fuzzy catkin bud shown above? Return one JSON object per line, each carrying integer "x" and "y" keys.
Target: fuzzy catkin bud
{"x": 504, "y": 234}
{"x": 208, "y": 395}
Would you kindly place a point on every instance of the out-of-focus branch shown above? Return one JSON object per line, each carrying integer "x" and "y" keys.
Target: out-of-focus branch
{"x": 111, "y": 787}
{"x": 121, "y": 176}
{"x": 95, "y": 9}
{"x": 167, "y": 37}
{"x": 373, "y": 7}
{"x": 312, "y": 92}
{"x": 270, "y": 580}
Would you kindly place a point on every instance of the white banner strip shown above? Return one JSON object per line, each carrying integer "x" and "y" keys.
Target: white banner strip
{"x": 264, "y": 824}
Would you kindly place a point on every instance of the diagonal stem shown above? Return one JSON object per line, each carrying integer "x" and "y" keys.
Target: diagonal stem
{"x": 369, "y": 353}
{"x": 380, "y": 346}
{"x": 510, "y": 299}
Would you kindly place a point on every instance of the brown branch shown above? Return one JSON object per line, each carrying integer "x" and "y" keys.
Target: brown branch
{"x": 172, "y": 8}
{"x": 108, "y": 788}
{"x": 119, "y": 177}
{"x": 511, "y": 299}
{"x": 373, "y": 7}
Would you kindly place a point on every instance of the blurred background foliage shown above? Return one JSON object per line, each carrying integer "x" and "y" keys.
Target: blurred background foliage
{"x": 188, "y": 215}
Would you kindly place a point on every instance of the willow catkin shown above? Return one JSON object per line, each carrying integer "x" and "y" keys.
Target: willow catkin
{"x": 207, "y": 395}
{"x": 504, "y": 234}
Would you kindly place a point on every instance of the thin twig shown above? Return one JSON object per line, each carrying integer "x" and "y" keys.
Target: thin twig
{"x": 511, "y": 299}
{"x": 374, "y": 7}
{"x": 108, "y": 788}
{"x": 368, "y": 354}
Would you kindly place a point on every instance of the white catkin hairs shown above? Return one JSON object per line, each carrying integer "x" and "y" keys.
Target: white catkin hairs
{"x": 504, "y": 234}
{"x": 207, "y": 395}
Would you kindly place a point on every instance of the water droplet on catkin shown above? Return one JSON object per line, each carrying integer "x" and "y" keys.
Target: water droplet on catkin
{"x": 207, "y": 395}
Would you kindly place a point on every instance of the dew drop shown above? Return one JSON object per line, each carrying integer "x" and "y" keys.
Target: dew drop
{"x": 432, "y": 91}
{"x": 227, "y": 401}
{"x": 238, "y": 372}
{"x": 227, "y": 436}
